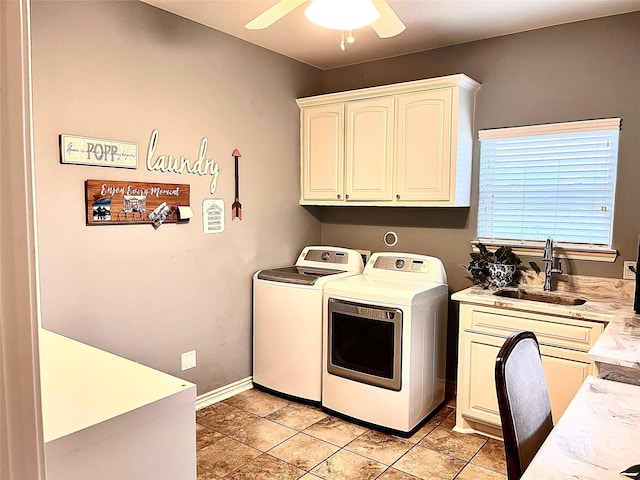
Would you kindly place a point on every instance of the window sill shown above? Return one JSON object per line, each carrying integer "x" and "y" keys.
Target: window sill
{"x": 568, "y": 251}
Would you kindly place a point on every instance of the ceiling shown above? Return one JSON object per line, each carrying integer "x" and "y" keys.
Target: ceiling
{"x": 430, "y": 24}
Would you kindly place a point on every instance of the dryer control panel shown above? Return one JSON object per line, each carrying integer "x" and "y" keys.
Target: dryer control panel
{"x": 405, "y": 265}
{"x": 402, "y": 263}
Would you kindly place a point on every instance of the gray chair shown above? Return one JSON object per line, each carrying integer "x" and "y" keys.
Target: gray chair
{"x": 523, "y": 401}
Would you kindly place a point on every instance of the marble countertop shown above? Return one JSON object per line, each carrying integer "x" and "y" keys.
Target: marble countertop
{"x": 608, "y": 300}
{"x": 597, "y": 437}
{"x": 619, "y": 344}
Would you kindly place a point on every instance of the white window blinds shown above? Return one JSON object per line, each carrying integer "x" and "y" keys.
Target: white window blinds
{"x": 549, "y": 181}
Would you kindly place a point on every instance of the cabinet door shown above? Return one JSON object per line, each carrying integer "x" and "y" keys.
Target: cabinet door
{"x": 369, "y": 149}
{"x": 322, "y": 152}
{"x": 423, "y": 146}
{"x": 565, "y": 371}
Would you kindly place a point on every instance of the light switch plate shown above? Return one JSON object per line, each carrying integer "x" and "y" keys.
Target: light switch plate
{"x": 628, "y": 274}
{"x": 188, "y": 360}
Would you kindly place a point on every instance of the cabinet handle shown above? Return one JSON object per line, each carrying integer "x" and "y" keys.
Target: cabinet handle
{"x": 346, "y": 196}
{"x": 339, "y": 196}
{"x": 397, "y": 196}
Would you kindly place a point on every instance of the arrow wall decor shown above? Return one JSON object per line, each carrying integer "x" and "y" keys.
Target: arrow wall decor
{"x": 236, "y": 207}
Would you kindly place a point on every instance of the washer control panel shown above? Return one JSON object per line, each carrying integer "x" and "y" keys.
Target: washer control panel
{"x": 326, "y": 256}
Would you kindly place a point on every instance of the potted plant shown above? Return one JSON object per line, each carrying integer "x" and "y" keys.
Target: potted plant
{"x": 497, "y": 269}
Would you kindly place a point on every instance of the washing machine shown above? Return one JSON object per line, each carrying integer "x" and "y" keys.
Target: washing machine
{"x": 287, "y": 320}
{"x": 384, "y": 337}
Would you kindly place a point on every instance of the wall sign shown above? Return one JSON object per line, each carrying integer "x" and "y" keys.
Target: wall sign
{"x": 169, "y": 163}
{"x": 98, "y": 152}
{"x": 124, "y": 203}
{"x": 213, "y": 215}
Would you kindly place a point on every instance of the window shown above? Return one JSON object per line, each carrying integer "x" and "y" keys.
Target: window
{"x": 555, "y": 180}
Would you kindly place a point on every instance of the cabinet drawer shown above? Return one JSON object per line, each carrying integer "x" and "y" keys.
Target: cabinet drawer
{"x": 550, "y": 330}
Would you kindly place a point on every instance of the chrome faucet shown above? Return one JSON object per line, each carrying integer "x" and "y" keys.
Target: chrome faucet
{"x": 549, "y": 268}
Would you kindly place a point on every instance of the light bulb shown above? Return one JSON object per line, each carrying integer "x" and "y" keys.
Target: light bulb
{"x": 342, "y": 14}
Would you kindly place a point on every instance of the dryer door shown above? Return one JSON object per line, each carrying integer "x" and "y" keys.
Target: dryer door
{"x": 365, "y": 343}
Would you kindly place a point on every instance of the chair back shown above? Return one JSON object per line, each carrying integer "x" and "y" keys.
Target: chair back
{"x": 523, "y": 401}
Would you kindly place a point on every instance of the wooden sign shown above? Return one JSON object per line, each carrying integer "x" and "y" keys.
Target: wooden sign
{"x": 111, "y": 202}
{"x": 98, "y": 152}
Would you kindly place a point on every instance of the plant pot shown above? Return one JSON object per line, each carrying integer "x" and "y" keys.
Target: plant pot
{"x": 501, "y": 274}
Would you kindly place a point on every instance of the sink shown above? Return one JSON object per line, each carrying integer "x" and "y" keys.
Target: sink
{"x": 541, "y": 297}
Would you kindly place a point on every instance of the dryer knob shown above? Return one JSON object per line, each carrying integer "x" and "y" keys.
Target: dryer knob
{"x": 325, "y": 256}
{"x": 399, "y": 263}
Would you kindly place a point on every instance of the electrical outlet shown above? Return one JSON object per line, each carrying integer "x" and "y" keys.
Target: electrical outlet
{"x": 628, "y": 274}
{"x": 188, "y": 360}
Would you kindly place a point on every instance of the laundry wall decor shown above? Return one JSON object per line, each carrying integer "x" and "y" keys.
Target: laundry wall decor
{"x": 110, "y": 202}
{"x": 169, "y": 163}
{"x": 98, "y": 152}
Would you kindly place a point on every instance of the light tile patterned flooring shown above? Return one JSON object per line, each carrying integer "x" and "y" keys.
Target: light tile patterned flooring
{"x": 258, "y": 436}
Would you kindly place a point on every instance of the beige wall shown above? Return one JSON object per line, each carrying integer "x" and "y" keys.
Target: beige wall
{"x": 578, "y": 71}
{"x": 118, "y": 70}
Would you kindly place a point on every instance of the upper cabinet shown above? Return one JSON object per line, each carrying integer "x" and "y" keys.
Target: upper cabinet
{"x": 406, "y": 144}
{"x": 423, "y": 146}
{"x": 322, "y": 152}
{"x": 369, "y": 150}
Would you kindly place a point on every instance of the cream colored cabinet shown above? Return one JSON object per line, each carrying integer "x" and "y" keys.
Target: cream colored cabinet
{"x": 406, "y": 144}
{"x": 322, "y": 152}
{"x": 564, "y": 343}
{"x": 423, "y": 146}
{"x": 347, "y": 151}
{"x": 369, "y": 150}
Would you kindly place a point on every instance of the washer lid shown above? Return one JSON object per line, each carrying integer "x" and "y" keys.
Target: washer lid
{"x": 297, "y": 275}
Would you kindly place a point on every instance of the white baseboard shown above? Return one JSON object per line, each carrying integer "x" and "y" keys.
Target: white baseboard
{"x": 219, "y": 394}
{"x": 222, "y": 393}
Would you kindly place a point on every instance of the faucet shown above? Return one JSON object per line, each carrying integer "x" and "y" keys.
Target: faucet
{"x": 549, "y": 268}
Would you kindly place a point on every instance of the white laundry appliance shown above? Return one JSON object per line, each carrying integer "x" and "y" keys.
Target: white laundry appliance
{"x": 287, "y": 320}
{"x": 385, "y": 342}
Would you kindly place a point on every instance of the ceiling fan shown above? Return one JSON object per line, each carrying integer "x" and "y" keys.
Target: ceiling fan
{"x": 384, "y": 21}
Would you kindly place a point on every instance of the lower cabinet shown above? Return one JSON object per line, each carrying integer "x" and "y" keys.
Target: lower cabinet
{"x": 564, "y": 343}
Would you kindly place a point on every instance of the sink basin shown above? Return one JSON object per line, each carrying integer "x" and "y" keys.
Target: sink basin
{"x": 541, "y": 297}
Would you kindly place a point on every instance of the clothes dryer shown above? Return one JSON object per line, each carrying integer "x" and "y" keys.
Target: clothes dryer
{"x": 385, "y": 342}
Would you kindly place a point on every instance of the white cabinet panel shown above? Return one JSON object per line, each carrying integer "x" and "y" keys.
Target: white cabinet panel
{"x": 423, "y": 152}
{"x": 322, "y": 152}
{"x": 105, "y": 417}
{"x": 564, "y": 377}
{"x": 369, "y": 161}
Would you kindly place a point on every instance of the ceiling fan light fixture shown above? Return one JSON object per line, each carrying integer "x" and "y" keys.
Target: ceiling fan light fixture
{"x": 342, "y": 14}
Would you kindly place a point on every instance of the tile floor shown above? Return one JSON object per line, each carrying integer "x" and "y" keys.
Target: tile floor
{"x": 254, "y": 435}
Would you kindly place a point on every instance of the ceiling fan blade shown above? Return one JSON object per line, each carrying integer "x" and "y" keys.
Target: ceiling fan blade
{"x": 389, "y": 24}
{"x": 273, "y": 14}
